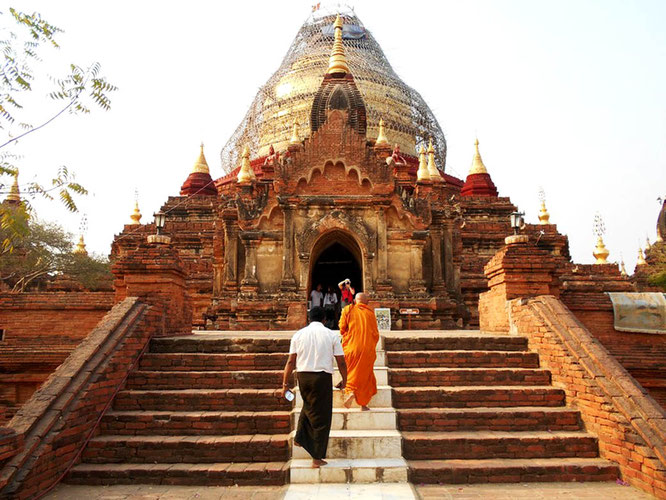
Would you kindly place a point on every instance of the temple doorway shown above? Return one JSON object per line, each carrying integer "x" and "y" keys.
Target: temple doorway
{"x": 336, "y": 256}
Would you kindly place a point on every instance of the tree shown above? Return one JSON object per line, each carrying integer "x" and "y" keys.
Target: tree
{"x": 24, "y": 45}
{"x": 44, "y": 254}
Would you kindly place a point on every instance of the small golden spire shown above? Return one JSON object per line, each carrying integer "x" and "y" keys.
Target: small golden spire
{"x": 623, "y": 270}
{"x": 337, "y": 63}
{"x": 641, "y": 258}
{"x": 433, "y": 172}
{"x": 648, "y": 245}
{"x": 14, "y": 195}
{"x": 477, "y": 163}
{"x": 600, "y": 251}
{"x": 294, "y": 134}
{"x": 136, "y": 215}
{"x": 245, "y": 174}
{"x": 80, "y": 248}
{"x": 381, "y": 137}
{"x": 201, "y": 165}
{"x": 544, "y": 216}
{"x": 422, "y": 173}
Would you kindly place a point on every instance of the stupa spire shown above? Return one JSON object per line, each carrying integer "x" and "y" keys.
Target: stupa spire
{"x": 294, "y": 134}
{"x": 245, "y": 174}
{"x": 337, "y": 63}
{"x": 433, "y": 172}
{"x": 600, "y": 251}
{"x": 477, "y": 163}
{"x": 544, "y": 216}
{"x": 136, "y": 214}
{"x": 641, "y": 258}
{"x": 422, "y": 173}
{"x": 14, "y": 195}
{"x": 381, "y": 136}
{"x": 201, "y": 165}
{"x": 80, "y": 248}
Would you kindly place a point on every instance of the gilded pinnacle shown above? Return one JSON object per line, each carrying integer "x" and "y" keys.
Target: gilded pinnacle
{"x": 381, "y": 136}
{"x": 641, "y": 258}
{"x": 432, "y": 168}
{"x": 136, "y": 215}
{"x": 422, "y": 173}
{"x": 80, "y": 247}
{"x": 623, "y": 270}
{"x": 245, "y": 174}
{"x": 294, "y": 134}
{"x": 201, "y": 165}
{"x": 600, "y": 252}
{"x": 14, "y": 195}
{"x": 544, "y": 216}
{"x": 477, "y": 163}
{"x": 337, "y": 63}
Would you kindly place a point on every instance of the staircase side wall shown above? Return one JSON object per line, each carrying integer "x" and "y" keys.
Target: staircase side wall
{"x": 630, "y": 425}
{"x": 63, "y": 414}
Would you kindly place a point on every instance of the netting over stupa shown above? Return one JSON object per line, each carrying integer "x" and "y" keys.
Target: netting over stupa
{"x": 288, "y": 95}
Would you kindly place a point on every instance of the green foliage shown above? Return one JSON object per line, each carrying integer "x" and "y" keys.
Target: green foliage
{"x": 657, "y": 260}
{"x": 24, "y": 45}
{"x": 43, "y": 254}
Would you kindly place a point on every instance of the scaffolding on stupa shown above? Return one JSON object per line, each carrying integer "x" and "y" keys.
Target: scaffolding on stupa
{"x": 287, "y": 96}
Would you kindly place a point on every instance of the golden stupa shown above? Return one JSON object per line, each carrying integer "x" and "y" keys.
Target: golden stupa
{"x": 288, "y": 95}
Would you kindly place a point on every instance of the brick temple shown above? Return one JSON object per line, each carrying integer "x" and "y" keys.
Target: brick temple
{"x": 513, "y": 368}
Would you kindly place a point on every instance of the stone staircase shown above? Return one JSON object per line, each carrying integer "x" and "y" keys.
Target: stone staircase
{"x": 476, "y": 408}
{"x": 201, "y": 409}
{"x": 364, "y": 446}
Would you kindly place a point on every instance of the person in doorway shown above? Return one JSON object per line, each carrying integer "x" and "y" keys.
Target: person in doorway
{"x": 358, "y": 327}
{"x": 330, "y": 304}
{"x": 347, "y": 292}
{"x": 316, "y": 297}
{"x": 311, "y": 352}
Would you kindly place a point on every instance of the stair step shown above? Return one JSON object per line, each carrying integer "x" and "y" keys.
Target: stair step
{"x": 511, "y": 470}
{"x": 381, "y": 375}
{"x": 492, "y": 419}
{"x": 462, "y": 359}
{"x": 380, "y": 400}
{"x": 342, "y": 470}
{"x": 202, "y": 399}
{"x": 184, "y": 474}
{"x": 358, "y": 444}
{"x": 192, "y": 449}
{"x": 475, "y": 396}
{"x": 183, "y": 362}
{"x": 454, "y": 341}
{"x": 195, "y": 422}
{"x": 204, "y": 342}
{"x": 494, "y": 444}
{"x": 355, "y": 419}
{"x": 151, "y": 380}
{"x": 410, "y": 377}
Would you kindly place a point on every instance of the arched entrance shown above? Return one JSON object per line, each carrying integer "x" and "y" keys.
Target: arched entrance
{"x": 336, "y": 256}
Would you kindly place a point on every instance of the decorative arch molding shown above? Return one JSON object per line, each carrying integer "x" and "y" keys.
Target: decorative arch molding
{"x": 343, "y": 223}
{"x": 335, "y": 163}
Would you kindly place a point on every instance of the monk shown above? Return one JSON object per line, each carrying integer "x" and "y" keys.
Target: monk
{"x": 358, "y": 327}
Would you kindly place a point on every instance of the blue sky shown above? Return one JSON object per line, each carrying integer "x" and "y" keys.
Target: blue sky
{"x": 567, "y": 95}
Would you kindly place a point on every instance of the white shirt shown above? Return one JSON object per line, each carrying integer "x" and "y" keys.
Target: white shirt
{"x": 314, "y": 346}
{"x": 330, "y": 298}
{"x": 316, "y": 297}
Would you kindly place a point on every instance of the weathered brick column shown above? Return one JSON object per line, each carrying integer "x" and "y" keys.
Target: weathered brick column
{"x": 518, "y": 270}
{"x": 155, "y": 273}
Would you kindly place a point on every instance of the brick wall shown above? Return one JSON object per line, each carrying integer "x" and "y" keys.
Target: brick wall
{"x": 56, "y": 422}
{"x": 631, "y": 426}
{"x": 39, "y": 332}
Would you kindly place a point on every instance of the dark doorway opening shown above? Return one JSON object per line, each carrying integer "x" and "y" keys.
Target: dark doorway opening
{"x": 333, "y": 265}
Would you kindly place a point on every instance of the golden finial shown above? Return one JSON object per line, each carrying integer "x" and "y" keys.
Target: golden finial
{"x": 477, "y": 163}
{"x": 201, "y": 165}
{"x": 623, "y": 270}
{"x": 648, "y": 245}
{"x": 433, "y": 172}
{"x": 422, "y": 173}
{"x": 136, "y": 215}
{"x": 381, "y": 137}
{"x": 641, "y": 258}
{"x": 600, "y": 251}
{"x": 80, "y": 248}
{"x": 245, "y": 174}
{"x": 14, "y": 195}
{"x": 544, "y": 216}
{"x": 337, "y": 63}
{"x": 294, "y": 134}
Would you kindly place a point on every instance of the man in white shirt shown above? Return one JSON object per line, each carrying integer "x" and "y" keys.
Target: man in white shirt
{"x": 311, "y": 352}
{"x": 316, "y": 297}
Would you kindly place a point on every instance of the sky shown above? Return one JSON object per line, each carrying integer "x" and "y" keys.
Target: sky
{"x": 566, "y": 95}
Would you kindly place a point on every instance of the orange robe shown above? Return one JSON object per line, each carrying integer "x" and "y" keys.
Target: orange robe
{"x": 358, "y": 327}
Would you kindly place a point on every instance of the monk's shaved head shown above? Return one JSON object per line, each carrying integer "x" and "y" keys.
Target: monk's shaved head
{"x": 361, "y": 298}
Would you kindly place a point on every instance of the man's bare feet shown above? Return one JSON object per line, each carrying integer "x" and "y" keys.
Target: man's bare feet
{"x": 318, "y": 462}
{"x": 365, "y": 408}
{"x": 347, "y": 402}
